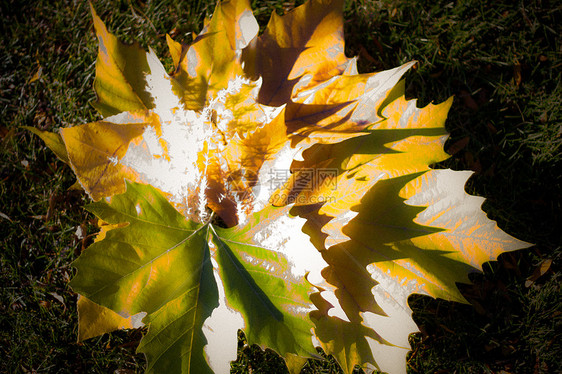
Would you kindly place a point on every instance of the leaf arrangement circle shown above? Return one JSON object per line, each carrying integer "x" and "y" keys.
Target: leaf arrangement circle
{"x": 331, "y": 215}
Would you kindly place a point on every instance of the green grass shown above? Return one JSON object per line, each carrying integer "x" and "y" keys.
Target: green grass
{"x": 503, "y": 62}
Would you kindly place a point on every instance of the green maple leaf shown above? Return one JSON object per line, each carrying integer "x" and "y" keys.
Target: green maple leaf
{"x": 331, "y": 214}
{"x": 160, "y": 265}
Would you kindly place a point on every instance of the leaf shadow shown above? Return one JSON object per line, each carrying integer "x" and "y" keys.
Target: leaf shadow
{"x": 381, "y": 232}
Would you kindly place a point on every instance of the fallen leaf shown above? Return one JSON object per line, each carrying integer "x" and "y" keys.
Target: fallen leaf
{"x": 265, "y": 185}
{"x": 539, "y": 271}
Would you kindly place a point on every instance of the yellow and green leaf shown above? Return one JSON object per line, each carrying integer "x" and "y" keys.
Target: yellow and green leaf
{"x": 161, "y": 265}
{"x": 120, "y": 74}
{"x": 265, "y": 185}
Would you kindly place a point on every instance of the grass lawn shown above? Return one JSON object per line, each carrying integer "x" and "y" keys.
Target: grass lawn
{"x": 502, "y": 60}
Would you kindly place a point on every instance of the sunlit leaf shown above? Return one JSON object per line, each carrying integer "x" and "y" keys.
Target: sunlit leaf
{"x": 158, "y": 265}
{"x": 265, "y": 185}
{"x": 96, "y": 319}
{"x": 120, "y": 74}
{"x": 277, "y": 318}
{"x": 94, "y": 150}
{"x": 307, "y": 43}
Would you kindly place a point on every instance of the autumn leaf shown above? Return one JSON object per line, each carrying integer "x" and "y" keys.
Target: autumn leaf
{"x": 120, "y": 73}
{"x": 265, "y": 185}
{"x": 162, "y": 267}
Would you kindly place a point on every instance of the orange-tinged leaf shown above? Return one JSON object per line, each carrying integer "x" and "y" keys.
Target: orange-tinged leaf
{"x": 202, "y": 69}
{"x": 400, "y": 241}
{"x": 318, "y": 123}
{"x": 244, "y": 158}
{"x": 363, "y": 160}
{"x": 306, "y": 41}
{"x": 369, "y": 90}
{"x": 368, "y": 233}
{"x": 94, "y": 151}
{"x": 177, "y": 50}
{"x": 120, "y": 71}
